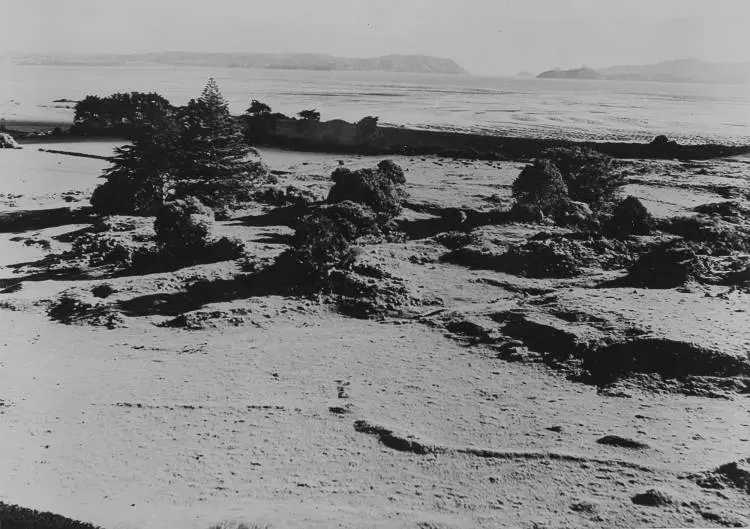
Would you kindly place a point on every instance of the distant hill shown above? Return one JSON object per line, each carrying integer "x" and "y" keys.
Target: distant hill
{"x": 279, "y": 61}
{"x": 681, "y": 70}
{"x": 525, "y": 74}
{"x": 579, "y": 73}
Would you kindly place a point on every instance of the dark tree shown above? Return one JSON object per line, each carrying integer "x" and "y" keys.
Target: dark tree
{"x": 258, "y": 109}
{"x": 123, "y": 114}
{"x": 197, "y": 151}
{"x": 309, "y": 115}
{"x": 141, "y": 177}
{"x": 215, "y": 162}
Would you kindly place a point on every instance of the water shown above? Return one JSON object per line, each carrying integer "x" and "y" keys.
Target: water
{"x": 581, "y": 110}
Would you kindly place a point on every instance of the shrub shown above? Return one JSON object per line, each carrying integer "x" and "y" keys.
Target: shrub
{"x": 393, "y": 171}
{"x": 540, "y": 186}
{"x": 225, "y": 249}
{"x": 588, "y": 175}
{"x": 353, "y": 220}
{"x": 139, "y": 193}
{"x": 630, "y": 217}
{"x": 371, "y": 187}
{"x": 183, "y": 226}
{"x": 71, "y": 310}
{"x": 319, "y": 245}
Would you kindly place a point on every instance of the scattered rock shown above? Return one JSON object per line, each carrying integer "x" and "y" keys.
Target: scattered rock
{"x": 621, "y": 442}
{"x": 584, "y": 507}
{"x": 653, "y": 498}
{"x": 210, "y": 319}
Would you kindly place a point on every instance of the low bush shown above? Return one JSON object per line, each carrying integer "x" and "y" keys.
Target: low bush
{"x": 289, "y": 196}
{"x": 319, "y": 245}
{"x": 353, "y": 220}
{"x": 393, "y": 171}
{"x": 122, "y": 195}
{"x": 71, "y": 310}
{"x": 374, "y": 188}
{"x": 540, "y": 189}
{"x": 184, "y": 236}
{"x": 630, "y": 217}
{"x": 588, "y": 174}
{"x": 183, "y": 226}
{"x": 101, "y": 250}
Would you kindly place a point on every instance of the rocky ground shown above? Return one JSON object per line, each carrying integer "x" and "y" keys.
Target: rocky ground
{"x": 477, "y": 386}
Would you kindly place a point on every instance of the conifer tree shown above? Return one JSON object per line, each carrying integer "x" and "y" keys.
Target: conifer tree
{"x": 215, "y": 164}
{"x": 212, "y": 139}
{"x": 198, "y": 150}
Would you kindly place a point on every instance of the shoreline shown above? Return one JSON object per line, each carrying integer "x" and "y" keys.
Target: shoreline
{"x": 341, "y": 137}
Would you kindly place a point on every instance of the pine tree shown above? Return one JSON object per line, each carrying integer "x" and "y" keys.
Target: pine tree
{"x": 212, "y": 139}
{"x": 216, "y": 164}
{"x": 198, "y": 150}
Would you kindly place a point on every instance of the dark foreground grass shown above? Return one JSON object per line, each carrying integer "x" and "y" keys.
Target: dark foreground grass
{"x": 15, "y": 517}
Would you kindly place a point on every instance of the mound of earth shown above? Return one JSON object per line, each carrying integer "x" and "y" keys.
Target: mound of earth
{"x": 735, "y": 474}
{"x": 677, "y": 263}
{"x": 370, "y": 292}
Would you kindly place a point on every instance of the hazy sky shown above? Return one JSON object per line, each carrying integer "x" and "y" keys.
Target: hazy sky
{"x": 486, "y": 36}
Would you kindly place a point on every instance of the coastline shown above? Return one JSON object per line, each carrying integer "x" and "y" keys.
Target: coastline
{"x": 341, "y": 137}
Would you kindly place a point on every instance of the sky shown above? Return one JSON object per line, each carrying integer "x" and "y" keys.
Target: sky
{"x": 485, "y": 36}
